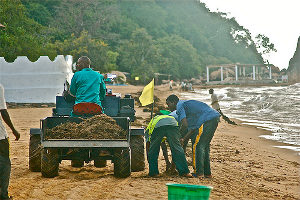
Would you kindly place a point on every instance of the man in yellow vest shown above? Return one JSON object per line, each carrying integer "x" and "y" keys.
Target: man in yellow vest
{"x": 159, "y": 127}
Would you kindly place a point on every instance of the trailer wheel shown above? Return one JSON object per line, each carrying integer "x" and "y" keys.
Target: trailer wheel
{"x": 77, "y": 163}
{"x": 49, "y": 163}
{"x": 122, "y": 167}
{"x": 99, "y": 163}
{"x": 137, "y": 153}
{"x": 35, "y": 153}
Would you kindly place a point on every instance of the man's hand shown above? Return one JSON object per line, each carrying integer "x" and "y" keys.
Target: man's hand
{"x": 182, "y": 141}
{"x": 17, "y": 134}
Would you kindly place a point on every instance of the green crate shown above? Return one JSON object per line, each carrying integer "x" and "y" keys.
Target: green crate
{"x": 188, "y": 192}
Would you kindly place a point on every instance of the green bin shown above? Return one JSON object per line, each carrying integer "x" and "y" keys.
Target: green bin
{"x": 188, "y": 192}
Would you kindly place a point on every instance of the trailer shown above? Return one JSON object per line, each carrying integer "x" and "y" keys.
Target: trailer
{"x": 126, "y": 154}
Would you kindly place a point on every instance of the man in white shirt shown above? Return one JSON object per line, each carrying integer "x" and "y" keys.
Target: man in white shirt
{"x": 215, "y": 105}
{"x": 5, "y": 165}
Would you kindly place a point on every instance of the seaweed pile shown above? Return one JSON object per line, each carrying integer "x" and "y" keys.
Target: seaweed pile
{"x": 94, "y": 128}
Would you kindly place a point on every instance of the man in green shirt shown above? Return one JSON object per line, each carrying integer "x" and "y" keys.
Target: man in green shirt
{"x": 159, "y": 127}
{"x": 86, "y": 84}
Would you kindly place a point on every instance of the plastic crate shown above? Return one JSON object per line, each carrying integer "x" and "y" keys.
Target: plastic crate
{"x": 188, "y": 192}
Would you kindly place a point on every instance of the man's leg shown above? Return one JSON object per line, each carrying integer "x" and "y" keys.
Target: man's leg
{"x": 165, "y": 154}
{"x": 5, "y": 168}
{"x": 153, "y": 153}
{"x": 178, "y": 155}
{"x": 208, "y": 133}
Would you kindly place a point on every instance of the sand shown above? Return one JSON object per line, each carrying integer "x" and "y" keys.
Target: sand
{"x": 244, "y": 166}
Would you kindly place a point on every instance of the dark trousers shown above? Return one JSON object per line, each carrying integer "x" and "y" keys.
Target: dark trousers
{"x": 178, "y": 156}
{"x": 201, "y": 146}
{"x": 5, "y": 167}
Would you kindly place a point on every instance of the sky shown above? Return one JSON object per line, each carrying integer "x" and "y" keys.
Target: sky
{"x": 277, "y": 19}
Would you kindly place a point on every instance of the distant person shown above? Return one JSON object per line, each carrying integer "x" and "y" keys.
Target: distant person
{"x": 200, "y": 121}
{"x": 5, "y": 164}
{"x": 159, "y": 127}
{"x": 171, "y": 85}
{"x": 86, "y": 84}
{"x": 190, "y": 86}
{"x": 183, "y": 86}
{"x": 215, "y": 105}
{"x": 106, "y": 79}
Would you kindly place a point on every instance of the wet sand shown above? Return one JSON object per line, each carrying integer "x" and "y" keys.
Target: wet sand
{"x": 244, "y": 166}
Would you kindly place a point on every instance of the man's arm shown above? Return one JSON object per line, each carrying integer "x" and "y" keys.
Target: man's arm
{"x": 73, "y": 87}
{"x": 102, "y": 90}
{"x": 6, "y": 119}
{"x": 183, "y": 126}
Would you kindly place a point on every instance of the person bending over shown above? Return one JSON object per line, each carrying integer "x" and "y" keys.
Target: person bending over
{"x": 159, "y": 127}
{"x": 215, "y": 105}
{"x": 201, "y": 121}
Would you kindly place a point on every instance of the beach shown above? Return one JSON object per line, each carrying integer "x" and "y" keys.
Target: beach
{"x": 244, "y": 165}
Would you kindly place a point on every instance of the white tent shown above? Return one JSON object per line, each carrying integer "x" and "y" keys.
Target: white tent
{"x": 35, "y": 82}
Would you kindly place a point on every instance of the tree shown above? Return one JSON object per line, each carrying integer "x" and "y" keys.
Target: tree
{"x": 102, "y": 58}
{"x": 180, "y": 58}
{"x": 22, "y": 36}
{"x": 264, "y": 46}
{"x": 139, "y": 55}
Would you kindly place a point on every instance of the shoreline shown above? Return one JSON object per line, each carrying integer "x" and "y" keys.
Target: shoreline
{"x": 244, "y": 165}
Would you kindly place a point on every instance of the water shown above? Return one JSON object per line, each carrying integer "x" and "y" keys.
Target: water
{"x": 276, "y": 109}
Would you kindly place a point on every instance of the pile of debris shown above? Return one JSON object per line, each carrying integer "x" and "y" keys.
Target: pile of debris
{"x": 94, "y": 128}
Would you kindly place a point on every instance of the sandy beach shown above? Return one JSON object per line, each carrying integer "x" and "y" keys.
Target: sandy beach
{"x": 244, "y": 166}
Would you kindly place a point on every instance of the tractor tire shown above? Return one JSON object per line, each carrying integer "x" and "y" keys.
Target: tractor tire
{"x": 137, "y": 153}
{"x": 49, "y": 163}
{"x": 35, "y": 153}
{"x": 122, "y": 167}
{"x": 99, "y": 163}
{"x": 77, "y": 163}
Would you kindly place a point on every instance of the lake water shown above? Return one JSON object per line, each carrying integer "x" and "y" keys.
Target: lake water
{"x": 276, "y": 109}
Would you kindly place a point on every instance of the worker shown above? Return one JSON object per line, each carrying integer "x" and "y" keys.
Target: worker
{"x": 106, "y": 79}
{"x": 159, "y": 127}
{"x": 215, "y": 105}
{"x": 201, "y": 122}
{"x": 5, "y": 164}
{"x": 87, "y": 85}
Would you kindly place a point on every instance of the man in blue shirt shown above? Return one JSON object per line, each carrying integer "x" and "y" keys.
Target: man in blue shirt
{"x": 87, "y": 85}
{"x": 201, "y": 122}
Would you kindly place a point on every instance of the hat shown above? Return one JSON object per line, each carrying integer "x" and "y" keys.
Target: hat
{"x": 165, "y": 112}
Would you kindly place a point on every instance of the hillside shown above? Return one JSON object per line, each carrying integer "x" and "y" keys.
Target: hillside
{"x": 140, "y": 37}
{"x": 294, "y": 65}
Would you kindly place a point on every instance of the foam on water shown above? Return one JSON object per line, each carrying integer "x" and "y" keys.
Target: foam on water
{"x": 271, "y": 108}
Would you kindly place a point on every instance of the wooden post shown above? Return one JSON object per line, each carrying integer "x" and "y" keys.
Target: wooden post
{"x": 207, "y": 74}
{"x": 221, "y": 73}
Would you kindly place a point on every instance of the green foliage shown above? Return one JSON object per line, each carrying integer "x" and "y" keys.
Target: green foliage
{"x": 179, "y": 57}
{"x": 21, "y": 36}
{"x": 177, "y": 37}
{"x": 139, "y": 55}
{"x": 103, "y": 60}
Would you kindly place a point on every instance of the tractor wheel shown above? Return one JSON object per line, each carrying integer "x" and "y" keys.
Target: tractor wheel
{"x": 35, "y": 153}
{"x": 137, "y": 153}
{"x": 122, "y": 163}
{"x": 99, "y": 163}
{"x": 77, "y": 163}
{"x": 49, "y": 163}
